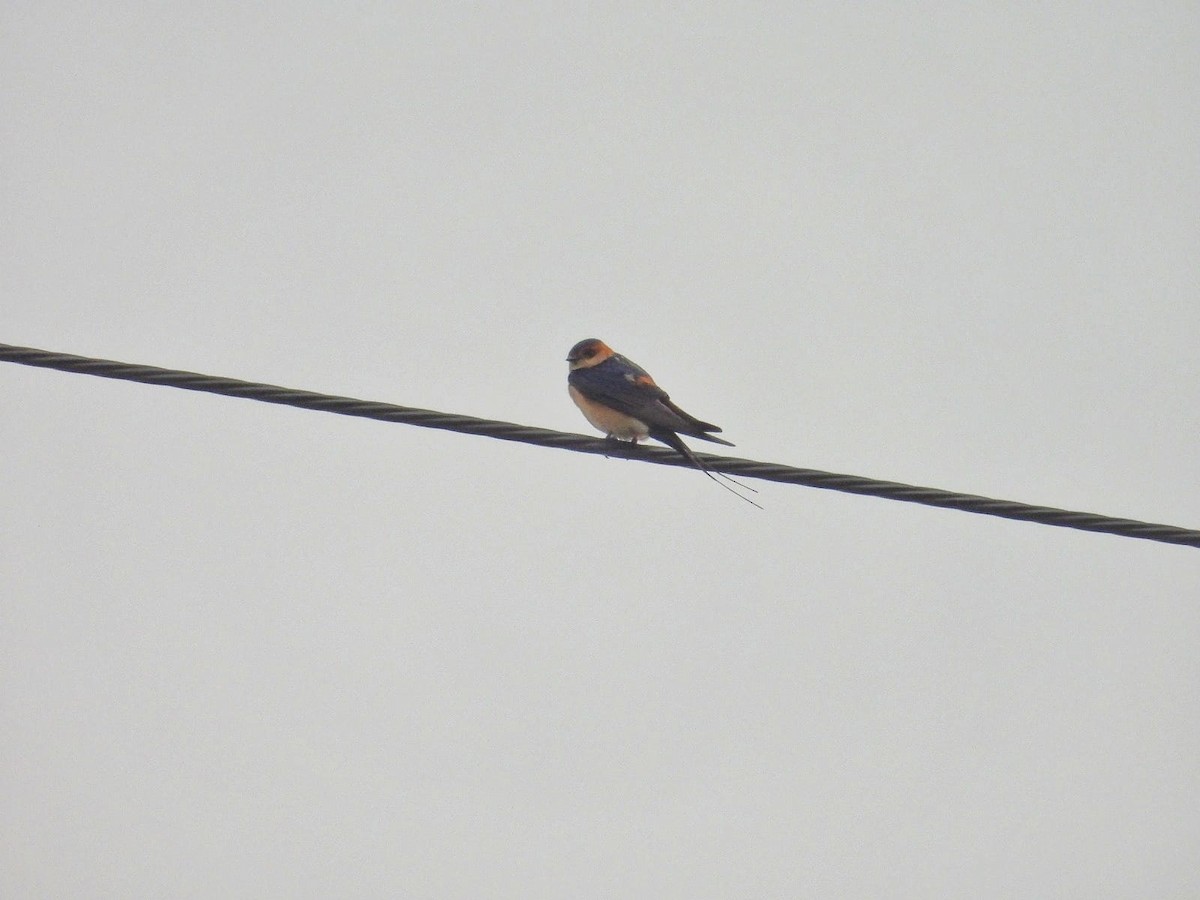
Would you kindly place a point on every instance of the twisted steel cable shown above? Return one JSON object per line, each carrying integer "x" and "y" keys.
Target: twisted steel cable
{"x": 542, "y": 437}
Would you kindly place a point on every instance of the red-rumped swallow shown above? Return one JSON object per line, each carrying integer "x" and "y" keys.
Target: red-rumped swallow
{"x": 619, "y": 398}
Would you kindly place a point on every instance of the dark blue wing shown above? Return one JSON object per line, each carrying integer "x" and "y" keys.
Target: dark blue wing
{"x": 626, "y": 387}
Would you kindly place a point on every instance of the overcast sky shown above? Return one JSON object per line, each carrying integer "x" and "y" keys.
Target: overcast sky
{"x": 251, "y": 651}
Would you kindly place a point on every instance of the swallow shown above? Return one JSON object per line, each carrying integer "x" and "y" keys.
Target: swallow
{"x": 619, "y": 398}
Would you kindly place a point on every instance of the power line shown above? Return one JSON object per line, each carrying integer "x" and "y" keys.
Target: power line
{"x": 542, "y": 437}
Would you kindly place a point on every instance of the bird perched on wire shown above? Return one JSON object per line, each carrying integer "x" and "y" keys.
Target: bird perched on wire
{"x": 619, "y": 398}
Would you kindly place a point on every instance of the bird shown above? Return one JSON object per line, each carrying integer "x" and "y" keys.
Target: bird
{"x": 619, "y": 398}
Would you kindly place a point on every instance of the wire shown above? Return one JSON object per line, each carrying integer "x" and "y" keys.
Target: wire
{"x": 542, "y": 437}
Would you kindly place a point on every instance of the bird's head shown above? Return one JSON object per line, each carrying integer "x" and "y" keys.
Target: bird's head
{"x": 590, "y": 352}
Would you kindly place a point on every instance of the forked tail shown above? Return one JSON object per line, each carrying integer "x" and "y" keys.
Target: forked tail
{"x": 674, "y": 441}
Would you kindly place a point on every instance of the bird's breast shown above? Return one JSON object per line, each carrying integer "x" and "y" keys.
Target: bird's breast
{"x": 608, "y": 420}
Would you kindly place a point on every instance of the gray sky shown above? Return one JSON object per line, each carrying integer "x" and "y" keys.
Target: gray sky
{"x": 253, "y": 651}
